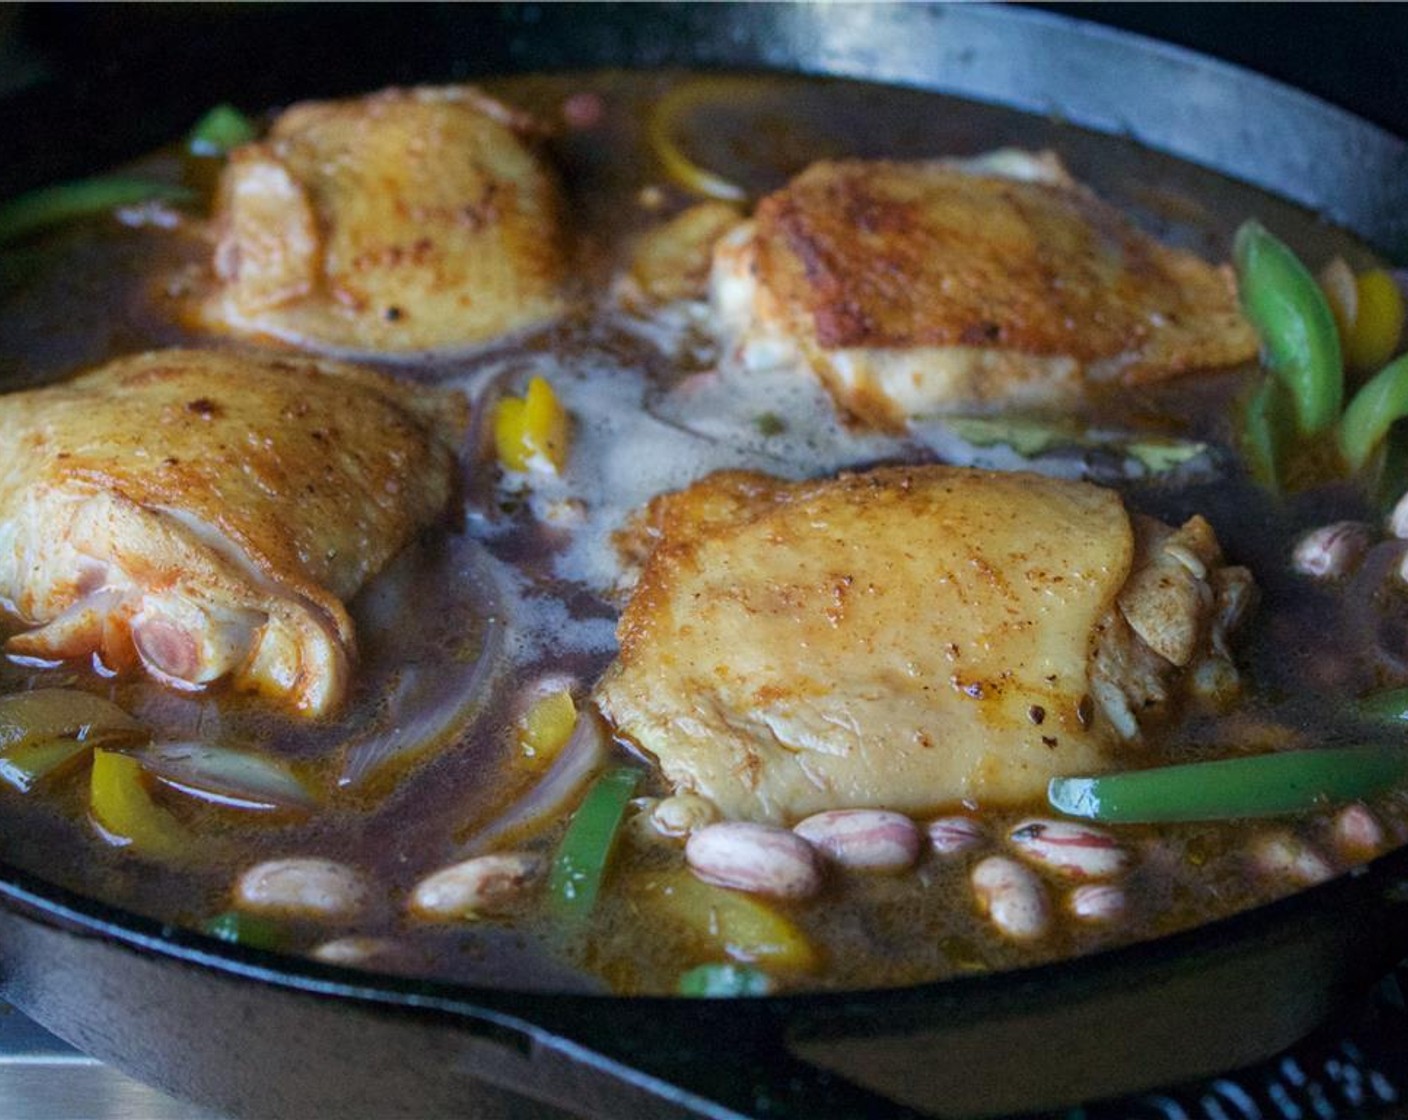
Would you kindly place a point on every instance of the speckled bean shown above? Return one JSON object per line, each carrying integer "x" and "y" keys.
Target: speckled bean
{"x": 482, "y": 885}
{"x": 1283, "y": 856}
{"x": 316, "y": 888}
{"x": 1012, "y": 897}
{"x": 1077, "y": 851}
{"x": 1097, "y": 902}
{"x": 954, "y": 835}
{"x": 350, "y": 950}
{"x": 755, "y": 858}
{"x": 1357, "y": 833}
{"x": 1332, "y": 551}
{"x": 863, "y": 839}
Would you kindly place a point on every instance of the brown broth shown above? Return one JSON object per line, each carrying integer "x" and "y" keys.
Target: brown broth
{"x": 96, "y": 291}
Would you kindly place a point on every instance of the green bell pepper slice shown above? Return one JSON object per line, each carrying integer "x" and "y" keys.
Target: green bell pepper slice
{"x": 1373, "y": 411}
{"x": 724, "y": 980}
{"x": 1268, "y": 427}
{"x": 65, "y": 202}
{"x": 221, "y": 129}
{"x": 239, "y": 928}
{"x": 580, "y": 864}
{"x": 1255, "y": 786}
{"x": 1292, "y": 318}
{"x": 1389, "y": 706}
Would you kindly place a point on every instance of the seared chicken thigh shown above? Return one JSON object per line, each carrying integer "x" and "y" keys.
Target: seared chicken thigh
{"x": 206, "y": 514}
{"x": 913, "y": 288}
{"x": 408, "y": 220}
{"x": 907, "y": 638}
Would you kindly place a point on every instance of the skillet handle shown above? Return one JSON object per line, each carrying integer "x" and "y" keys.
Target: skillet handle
{"x": 749, "y": 1078}
{"x": 769, "y": 1084}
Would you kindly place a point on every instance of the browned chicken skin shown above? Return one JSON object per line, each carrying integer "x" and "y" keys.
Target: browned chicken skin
{"x": 913, "y": 288}
{"x": 206, "y": 514}
{"x": 404, "y": 221}
{"x": 908, "y": 638}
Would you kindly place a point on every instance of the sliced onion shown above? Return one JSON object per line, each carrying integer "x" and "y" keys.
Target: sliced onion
{"x": 1373, "y": 621}
{"x": 1337, "y": 281}
{"x": 433, "y": 702}
{"x": 241, "y": 779}
{"x": 663, "y": 128}
{"x": 581, "y": 757}
{"x": 181, "y": 715}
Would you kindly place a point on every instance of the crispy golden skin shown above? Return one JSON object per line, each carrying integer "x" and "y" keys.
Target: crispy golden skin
{"x": 912, "y": 288}
{"x": 404, "y": 221}
{"x": 906, "y": 638}
{"x": 206, "y": 513}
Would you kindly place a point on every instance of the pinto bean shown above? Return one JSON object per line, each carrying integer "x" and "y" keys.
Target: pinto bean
{"x": 1012, "y": 897}
{"x": 349, "y": 950}
{"x": 864, "y": 839}
{"x": 755, "y": 858}
{"x": 306, "y": 886}
{"x": 953, "y": 835}
{"x": 1283, "y": 856}
{"x": 583, "y": 110}
{"x": 1357, "y": 833}
{"x": 1332, "y": 551}
{"x": 1077, "y": 851}
{"x": 1097, "y": 902}
{"x": 482, "y": 885}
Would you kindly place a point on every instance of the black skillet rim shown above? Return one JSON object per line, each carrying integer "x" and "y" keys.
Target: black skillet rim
{"x": 711, "y": 39}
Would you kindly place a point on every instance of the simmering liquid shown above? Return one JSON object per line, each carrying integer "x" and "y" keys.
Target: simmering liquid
{"x": 523, "y": 588}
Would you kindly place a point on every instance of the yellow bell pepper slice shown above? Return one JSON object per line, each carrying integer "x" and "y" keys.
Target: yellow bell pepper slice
{"x": 126, "y": 813}
{"x": 27, "y": 764}
{"x": 62, "y": 713}
{"x": 533, "y": 432}
{"x": 1369, "y": 311}
{"x": 743, "y": 927}
{"x": 663, "y": 127}
{"x": 547, "y": 725}
{"x": 1379, "y": 322}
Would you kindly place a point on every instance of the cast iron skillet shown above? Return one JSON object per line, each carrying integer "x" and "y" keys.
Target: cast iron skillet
{"x": 262, "y": 1035}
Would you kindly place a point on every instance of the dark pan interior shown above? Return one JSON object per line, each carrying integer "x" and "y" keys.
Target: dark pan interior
{"x": 260, "y": 1035}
